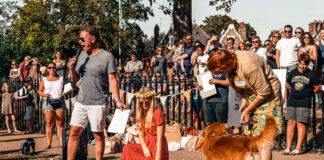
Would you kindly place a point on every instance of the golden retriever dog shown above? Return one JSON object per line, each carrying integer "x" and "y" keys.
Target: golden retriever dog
{"x": 218, "y": 145}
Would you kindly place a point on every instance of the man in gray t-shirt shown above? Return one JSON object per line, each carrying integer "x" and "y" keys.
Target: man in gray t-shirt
{"x": 96, "y": 69}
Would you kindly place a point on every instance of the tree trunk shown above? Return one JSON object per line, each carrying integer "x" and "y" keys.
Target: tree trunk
{"x": 182, "y": 21}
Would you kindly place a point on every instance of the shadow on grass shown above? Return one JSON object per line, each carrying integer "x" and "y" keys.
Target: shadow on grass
{"x": 19, "y": 139}
{"x": 27, "y": 157}
{"x": 9, "y": 151}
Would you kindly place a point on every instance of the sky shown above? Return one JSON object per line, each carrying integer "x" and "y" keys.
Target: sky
{"x": 263, "y": 15}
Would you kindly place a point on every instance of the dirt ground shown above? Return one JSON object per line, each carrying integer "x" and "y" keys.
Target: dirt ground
{"x": 10, "y": 144}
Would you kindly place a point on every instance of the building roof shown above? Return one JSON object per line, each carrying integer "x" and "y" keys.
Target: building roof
{"x": 230, "y": 27}
{"x": 199, "y": 34}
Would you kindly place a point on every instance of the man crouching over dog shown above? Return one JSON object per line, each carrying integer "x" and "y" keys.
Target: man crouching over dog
{"x": 259, "y": 88}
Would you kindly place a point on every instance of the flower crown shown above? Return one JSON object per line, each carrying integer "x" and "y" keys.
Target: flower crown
{"x": 144, "y": 93}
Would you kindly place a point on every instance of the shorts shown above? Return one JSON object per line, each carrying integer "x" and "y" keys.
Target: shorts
{"x": 49, "y": 107}
{"x": 298, "y": 113}
{"x": 29, "y": 113}
{"x": 94, "y": 114}
{"x": 216, "y": 112}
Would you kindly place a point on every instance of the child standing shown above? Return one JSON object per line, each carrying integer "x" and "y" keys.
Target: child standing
{"x": 31, "y": 107}
{"x": 202, "y": 59}
{"x": 7, "y": 107}
{"x": 302, "y": 83}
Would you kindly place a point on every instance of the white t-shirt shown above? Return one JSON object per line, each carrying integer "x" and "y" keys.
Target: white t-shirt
{"x": 204, "y": 59}
{"x": 261, "y": 52}
{"x": 288, "y": 51}
{"x": 54, "y": 88}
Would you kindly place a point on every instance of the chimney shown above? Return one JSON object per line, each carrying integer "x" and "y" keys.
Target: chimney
{"x": 310, "y": 28}
{"x": 242, "y": 31}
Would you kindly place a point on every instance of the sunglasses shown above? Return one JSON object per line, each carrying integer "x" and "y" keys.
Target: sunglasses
{"x": 267, "y": 44}
{"x": 306, "y": 37}
{"x": 145, "y": 102}
{"x": 298, "y": 32}
{"x": 82, "y": 39}
{"x": 51, "y": 68}
{"x": 275, "y": 36}
{"x": 287, "y": 31}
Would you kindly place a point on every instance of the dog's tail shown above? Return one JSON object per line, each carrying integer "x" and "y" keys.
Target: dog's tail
{"x": 269, "y": 133}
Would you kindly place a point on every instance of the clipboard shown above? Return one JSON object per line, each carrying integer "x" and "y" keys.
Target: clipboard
{"x": 208, "y": 89}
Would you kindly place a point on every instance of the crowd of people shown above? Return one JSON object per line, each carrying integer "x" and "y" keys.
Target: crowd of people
{"x": 247, "y": 68}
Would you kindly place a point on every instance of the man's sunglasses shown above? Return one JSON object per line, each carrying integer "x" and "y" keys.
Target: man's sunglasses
{"x": 82, "y": 39}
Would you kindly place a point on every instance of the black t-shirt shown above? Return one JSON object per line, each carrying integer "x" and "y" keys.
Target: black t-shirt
{"x": 302, "y": 87}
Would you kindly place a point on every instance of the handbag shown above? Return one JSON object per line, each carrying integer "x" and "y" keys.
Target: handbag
{"x": 113, "y": 144}
{"x": 54, "y": 101}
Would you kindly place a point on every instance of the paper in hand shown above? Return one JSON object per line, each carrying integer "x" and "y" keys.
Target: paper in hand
{"x": 67, "y": 88}
{"x": 119, "y": 121}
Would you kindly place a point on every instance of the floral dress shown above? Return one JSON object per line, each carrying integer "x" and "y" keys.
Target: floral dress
{"x": 8, "y": 108}
{"x": 260, "y": 114}
{"x": 251, "y": 78}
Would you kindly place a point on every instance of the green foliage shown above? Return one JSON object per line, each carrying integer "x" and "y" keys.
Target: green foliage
{"x": 225, "y": 5}
{"x": 39, "y": 28}
{"x": 216, "y": 24}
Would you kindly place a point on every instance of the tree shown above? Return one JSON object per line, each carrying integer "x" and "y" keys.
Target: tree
{"x": 182, "y": 13}
{"x": 216, "y": 24}
{"x": 41, "y": 27}
{"x": 156, "y": 36}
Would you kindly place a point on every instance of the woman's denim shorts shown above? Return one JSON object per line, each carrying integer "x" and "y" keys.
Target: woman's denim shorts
{"x": 49, "y": 107}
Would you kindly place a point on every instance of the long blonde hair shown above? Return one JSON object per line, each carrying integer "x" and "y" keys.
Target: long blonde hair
{"x": 144, "y": 118}
{"x": 3, "y": 88}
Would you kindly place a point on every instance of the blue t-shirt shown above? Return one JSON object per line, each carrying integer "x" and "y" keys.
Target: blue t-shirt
{"x": 222, "y": 91}
{"x": 189, "y": 50}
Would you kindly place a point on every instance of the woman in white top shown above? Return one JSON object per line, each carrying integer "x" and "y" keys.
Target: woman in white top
{"x": 51, "y": 89}
{"x": 308, "y": 47}
{"x": 14, "y": 71}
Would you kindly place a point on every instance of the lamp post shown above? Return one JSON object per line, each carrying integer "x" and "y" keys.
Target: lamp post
{"x": 120, "y": 13}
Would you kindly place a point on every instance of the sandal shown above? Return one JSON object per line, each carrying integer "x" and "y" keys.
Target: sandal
{"x": 17, "y": 131}
{"x": 286, "y": 151}
{"x": 296, "y": 152}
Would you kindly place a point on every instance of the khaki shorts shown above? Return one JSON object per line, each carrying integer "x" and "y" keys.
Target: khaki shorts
{"x": 95, "y": 114}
